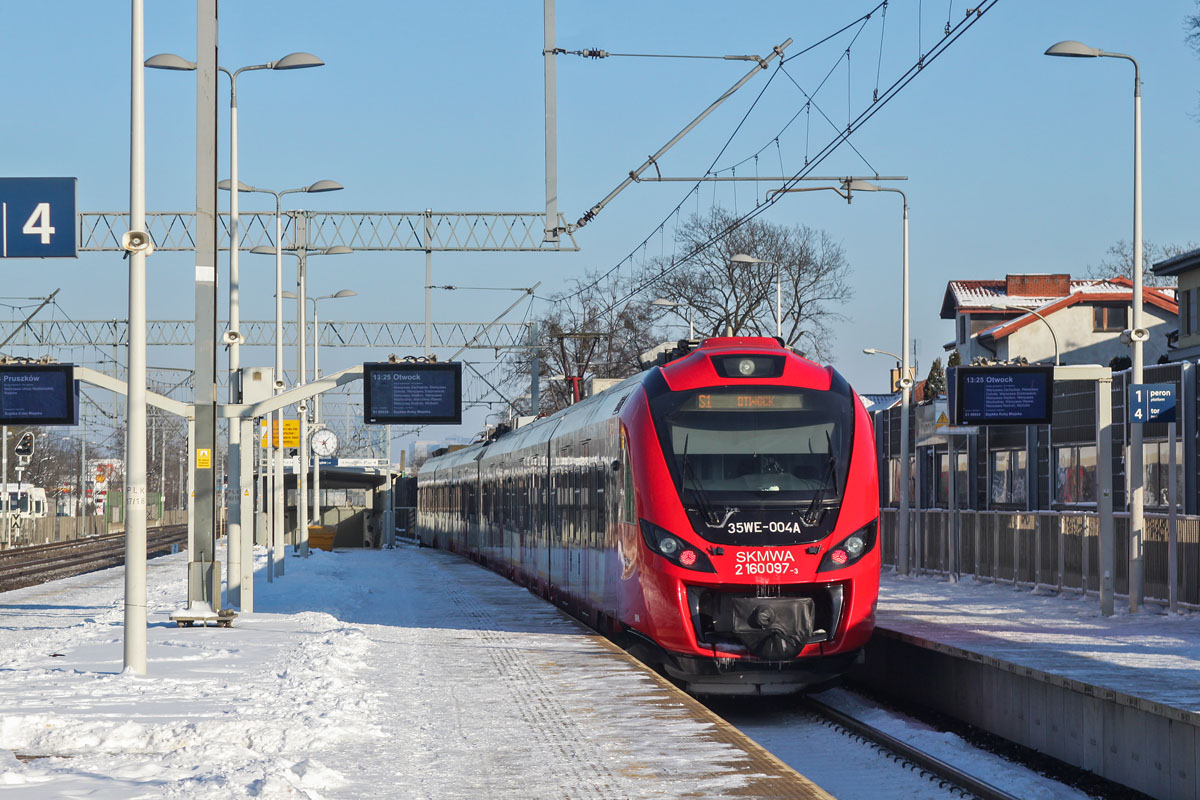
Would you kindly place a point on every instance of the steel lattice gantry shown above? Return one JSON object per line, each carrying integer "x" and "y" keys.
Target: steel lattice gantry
{"x": 261, "y": 333}
{"x": 419, "y": 231}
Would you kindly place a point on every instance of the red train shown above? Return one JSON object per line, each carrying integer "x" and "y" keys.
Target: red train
{"x": 720, "y": 513}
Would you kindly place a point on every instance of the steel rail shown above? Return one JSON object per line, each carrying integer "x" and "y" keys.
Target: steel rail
{"x": 934, "y": 766}
{"x": 22, "y": 567}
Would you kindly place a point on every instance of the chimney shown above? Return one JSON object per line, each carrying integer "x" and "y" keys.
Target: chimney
{"x": 1058, "y": 285}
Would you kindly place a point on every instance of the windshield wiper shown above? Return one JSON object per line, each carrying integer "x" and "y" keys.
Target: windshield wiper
{"x": 811, "y": 513}
{"x": 703, "y": 504}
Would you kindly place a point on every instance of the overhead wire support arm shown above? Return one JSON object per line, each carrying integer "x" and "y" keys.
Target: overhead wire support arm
{"x": 529, "y": 292}
{"x": 776, "y": 52}
{"x": 775, "y": 179}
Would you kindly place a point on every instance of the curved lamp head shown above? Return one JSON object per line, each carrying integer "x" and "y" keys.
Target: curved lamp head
{"x": 323, "y": 186}
{"x": 1072, "y": 49}
{"x": 224, "y": 185}
{"x": 870, "y": 351}
{"x": 742, "y": 258}
{"x": 662, "y": 301}
{"x": 170, "y": 61}
{"x": 288, "y": 295}
{"x": 863, "y": 186}
{"x": 263, "y": 250}
{"x": 344, "y": 293}
{"x": 297, "y": 61}
{"x": 337, "y": 250}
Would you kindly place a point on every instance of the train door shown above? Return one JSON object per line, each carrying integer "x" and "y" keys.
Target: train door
{"x": 587, "y": 528}
{"x": 550, "y": 505}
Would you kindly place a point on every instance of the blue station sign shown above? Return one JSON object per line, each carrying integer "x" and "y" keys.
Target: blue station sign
{"x": 37, "y": 218}
{"x": 1151, "y": 402}
{"x": 1002, "y": 395}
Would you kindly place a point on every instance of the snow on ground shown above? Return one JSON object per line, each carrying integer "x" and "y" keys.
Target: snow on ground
{"x": 413, "y": 673}
{"x": 404, "y": 673}
{"x": 1152, "y": 655}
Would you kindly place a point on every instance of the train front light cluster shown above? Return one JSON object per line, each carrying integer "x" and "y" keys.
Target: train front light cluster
{"x": 850, "y": 549}
{"x": 674, "y": 549}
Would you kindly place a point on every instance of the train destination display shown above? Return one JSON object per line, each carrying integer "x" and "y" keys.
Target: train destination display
{"x": 1002, "y": 395}
{"x": 37, "y": 394}
{"x": 412, "y": 393}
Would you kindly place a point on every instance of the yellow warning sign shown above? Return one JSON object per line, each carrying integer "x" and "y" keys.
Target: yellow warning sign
{"x": 943, "y": 421}
{"x": 291, "y": 433}
{"x": 203, "y": 458}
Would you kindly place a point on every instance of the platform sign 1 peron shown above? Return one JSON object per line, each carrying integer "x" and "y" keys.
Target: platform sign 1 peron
{"x": 1001, "y": 395}
{"x": 38, "y": 394}
{"x": 412, "y": 393}
{"x": 1151, "y": 402}
{"x": 37, "y": 218}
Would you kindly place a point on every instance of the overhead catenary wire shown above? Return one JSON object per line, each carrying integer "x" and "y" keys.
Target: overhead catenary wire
{"x": 898, "y": 85}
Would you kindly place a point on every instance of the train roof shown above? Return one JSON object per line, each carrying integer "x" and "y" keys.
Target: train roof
{"x": 684, "y": 370}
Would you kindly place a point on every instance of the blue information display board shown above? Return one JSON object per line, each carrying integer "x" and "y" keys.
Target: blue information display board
{"x": 37, "y": 218}
{"x": 38, "y": 394}
{"x": 1151, "y": 402}
{"x": 1002, "y": 395}
{"x": 412, "y": 393}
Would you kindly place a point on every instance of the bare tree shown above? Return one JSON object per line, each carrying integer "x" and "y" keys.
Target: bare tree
{"x": 592, "y": 329}
{"x": 727, "y": 297}
{"x": 1119, "y": 261}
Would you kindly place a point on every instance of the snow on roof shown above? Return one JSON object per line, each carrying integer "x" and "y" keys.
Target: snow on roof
{"x": 981, "y": 295}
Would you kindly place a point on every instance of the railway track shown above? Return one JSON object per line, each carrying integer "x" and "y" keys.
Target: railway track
{"x": 946, "y": 775}
{"x": 29, "y": 566}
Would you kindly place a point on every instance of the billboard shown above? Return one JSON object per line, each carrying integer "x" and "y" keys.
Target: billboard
{"x": 38, "y": 394}
{"x": 412, "y": 393}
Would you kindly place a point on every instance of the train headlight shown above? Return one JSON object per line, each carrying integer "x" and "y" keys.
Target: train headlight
{"x": 746, "y": 366}
{"x": 850, "y": 549}
{"x": 666, "y": 544}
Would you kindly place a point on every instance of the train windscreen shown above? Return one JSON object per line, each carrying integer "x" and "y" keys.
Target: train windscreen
{"x": 756, "y": 448}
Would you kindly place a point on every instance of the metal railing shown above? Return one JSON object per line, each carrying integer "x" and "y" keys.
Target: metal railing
{"x": 1057, "y": 549}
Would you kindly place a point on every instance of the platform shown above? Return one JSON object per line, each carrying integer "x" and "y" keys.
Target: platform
{"x": 401, "y": 673}
{"x": 1119, "y": 696}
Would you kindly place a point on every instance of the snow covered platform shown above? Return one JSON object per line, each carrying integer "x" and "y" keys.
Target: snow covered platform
{"x": 1119, "y": 696}
{"x": 402, "y": 673}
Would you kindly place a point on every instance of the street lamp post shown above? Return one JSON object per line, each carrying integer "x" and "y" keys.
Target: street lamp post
{"x": 999, "y": 306}
{"x": 239, "y": 513}
{"x": 664, "y": 303}
{"x": 1138, "y": 334}
{"x": 315, "y": 515}
{"x": 906, "y": 381}
{"x": 301, "y": 253}
{"x": 276, "y": 566}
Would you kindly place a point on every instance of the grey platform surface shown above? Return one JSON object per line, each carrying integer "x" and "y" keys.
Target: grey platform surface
{"x": 1149, "y": 655}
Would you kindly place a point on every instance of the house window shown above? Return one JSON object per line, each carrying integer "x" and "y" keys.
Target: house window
{"x": 1185, "y": 313}
{"x": 1193, "y": 301}
{"x": 1008, "y": 477}
{"x": 962, "y": 329}
{"x": 1075, "y": 474}
{"x": 1109, "y": 318}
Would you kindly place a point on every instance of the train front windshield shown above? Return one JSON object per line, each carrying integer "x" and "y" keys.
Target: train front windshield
{"x": 756, "y": 448}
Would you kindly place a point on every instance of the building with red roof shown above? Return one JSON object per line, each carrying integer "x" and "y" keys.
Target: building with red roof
{"x": 999, "y": 319}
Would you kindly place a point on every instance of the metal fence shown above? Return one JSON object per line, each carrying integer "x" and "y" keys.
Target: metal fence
{"x": 1058, "y": 549}
{"x": 47, "y": 530}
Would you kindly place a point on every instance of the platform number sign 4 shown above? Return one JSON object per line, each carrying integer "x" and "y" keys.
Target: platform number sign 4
{"x": 1151, "y": 402}
{"x": 37, "y": 218}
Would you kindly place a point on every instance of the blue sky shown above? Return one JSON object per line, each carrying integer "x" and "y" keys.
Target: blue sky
{"x": 1016, "y": 162}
